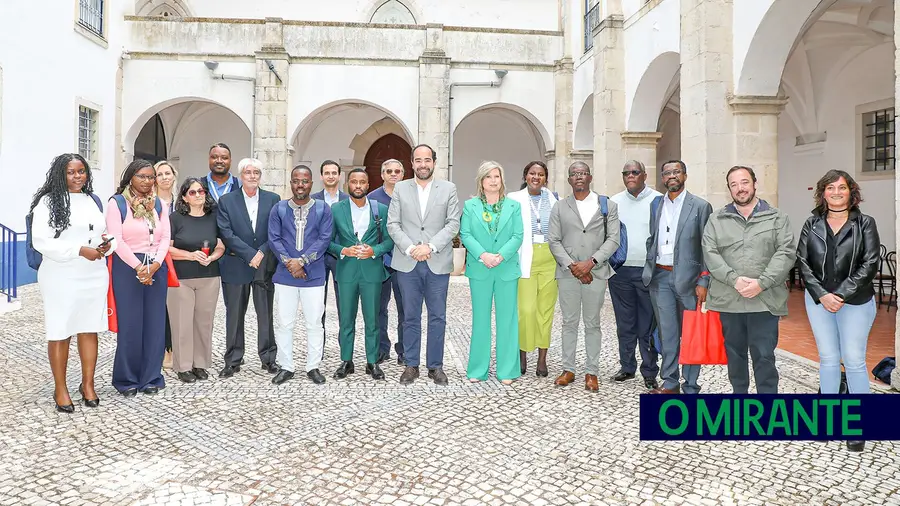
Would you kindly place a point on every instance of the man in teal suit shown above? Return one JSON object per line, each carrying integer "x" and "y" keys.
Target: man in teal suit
{"x": 491, "y": 230}
{"x": 359, "y": 241}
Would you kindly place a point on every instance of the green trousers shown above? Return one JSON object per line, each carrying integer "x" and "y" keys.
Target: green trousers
{"x": 537, "y": 300}
{"x": 350, "y": 295}
{"x": 504, "y": 295}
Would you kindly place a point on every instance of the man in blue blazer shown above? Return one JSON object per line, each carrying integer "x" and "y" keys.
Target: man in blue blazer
{"x": 330, "y": 173}
{"x": 248, "y": 266}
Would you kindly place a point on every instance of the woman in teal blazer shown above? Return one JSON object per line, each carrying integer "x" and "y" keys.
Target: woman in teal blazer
{"x": 491, "y": 230}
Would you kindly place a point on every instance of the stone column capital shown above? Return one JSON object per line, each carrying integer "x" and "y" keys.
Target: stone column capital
{"x": 565, "y": 64}
{"x": 753, "y": 104}
{"x": 613, "y": 21}
{"x": 636, "y": 139}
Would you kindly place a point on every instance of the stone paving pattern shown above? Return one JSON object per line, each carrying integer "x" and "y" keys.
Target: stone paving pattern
{"x": 245, "y": 441}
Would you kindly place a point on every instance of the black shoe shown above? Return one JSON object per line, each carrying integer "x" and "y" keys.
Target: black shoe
{"x": 856, "y": 446}
{"x": 650, "y": 383}
{"x": 282, "y": 376}
{"x": 345, "y": 369}
{"x": 270, "y": 368}
{"x": 409, "y": 375}
{"x": 401, "y": 360}
{"x": 374, "y": 371}
{"x": 316, "y": 376}
{"x": 150, "y": 391}
{"x": 67, "y": 409}
{"x": 131, "y": 392}
{"x": 438, "y": 376}
{"x": 201, "y": 374}
{"x": 623, "y": 376}
{"x": 187, "y": 377}
{"x": 382, "y": 356}
{"x": 90, "y": 403}
{"x": 229, "y": 370}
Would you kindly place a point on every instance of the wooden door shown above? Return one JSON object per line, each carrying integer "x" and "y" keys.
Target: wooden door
{"x": 385, "y": 148}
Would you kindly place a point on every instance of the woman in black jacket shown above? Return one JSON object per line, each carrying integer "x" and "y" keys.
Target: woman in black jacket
{"x": 839, "y": 254}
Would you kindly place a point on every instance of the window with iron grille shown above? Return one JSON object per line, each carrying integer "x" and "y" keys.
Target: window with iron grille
{"x": 87, "y": 134}
{"x": 90, "y": 15}
{"x": 879, "y": 140}
{"x": 591, "y": 20}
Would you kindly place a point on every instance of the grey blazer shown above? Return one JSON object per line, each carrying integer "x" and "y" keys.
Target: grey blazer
{"x": 689, "y": 264}
{"x": 440, "y": 224}
{"x": 570, "y": 241}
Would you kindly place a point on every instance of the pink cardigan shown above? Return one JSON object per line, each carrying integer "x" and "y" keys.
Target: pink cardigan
{"x": 133, "y": 236}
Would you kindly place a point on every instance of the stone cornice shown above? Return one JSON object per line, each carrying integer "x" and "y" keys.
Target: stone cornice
{"x": 752, "y": 104}
{"x": 614, "y": 21}
{"x": 641, "y": 138}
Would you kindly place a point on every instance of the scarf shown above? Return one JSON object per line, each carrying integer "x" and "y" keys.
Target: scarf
{"x": 141, "y": 207}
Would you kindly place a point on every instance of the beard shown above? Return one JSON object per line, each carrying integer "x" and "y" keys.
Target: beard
{"x": 674, "y": 185}
{"x": 426, "y": 176}
{"x": 358, "y": 194}
{"x": 744, "y": 198}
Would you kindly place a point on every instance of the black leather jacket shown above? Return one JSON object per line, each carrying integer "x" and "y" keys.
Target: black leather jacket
{"x": 856, "y": 259}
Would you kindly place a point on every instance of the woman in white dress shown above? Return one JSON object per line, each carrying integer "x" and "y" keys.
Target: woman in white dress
{"x": 69, "y": 230}
{"x": 166, "y": 181}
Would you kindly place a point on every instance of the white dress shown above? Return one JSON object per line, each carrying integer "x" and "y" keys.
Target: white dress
{"x": 73, "y": 287}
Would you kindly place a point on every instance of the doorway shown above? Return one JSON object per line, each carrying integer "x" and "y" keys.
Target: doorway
{"x": 387, "y": 147}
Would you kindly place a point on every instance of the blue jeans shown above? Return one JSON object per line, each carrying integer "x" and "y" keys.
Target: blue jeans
{"x": 417, "y": 286}
{"x": 842, "y": 336}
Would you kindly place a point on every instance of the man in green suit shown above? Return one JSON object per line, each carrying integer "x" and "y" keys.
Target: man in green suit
{"x": 359, "y": 241}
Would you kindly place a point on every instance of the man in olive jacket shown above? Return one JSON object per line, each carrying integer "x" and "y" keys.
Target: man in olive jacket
{"x": 749, "y": 250}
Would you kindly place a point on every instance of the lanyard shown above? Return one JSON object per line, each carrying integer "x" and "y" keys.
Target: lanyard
{"x": 215, "y": 191}
{"x": 537, "y": 211}
{"x": 667, "y": 218}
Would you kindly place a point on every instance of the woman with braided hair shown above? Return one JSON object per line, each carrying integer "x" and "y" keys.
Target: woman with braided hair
{"x": 68, "y": 229}
{"x": 139, "y": 279}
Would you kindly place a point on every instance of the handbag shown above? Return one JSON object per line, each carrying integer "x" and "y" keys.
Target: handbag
{"x": 111, "y": 313}
{"x": 172, "y": 277}
{"x": 702, "y": 341}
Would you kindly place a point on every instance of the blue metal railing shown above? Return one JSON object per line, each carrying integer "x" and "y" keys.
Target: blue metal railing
{"x": 9, "y": 262}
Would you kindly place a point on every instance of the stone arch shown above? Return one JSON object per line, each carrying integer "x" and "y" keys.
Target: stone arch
{"x": 360, "y": 143}
{"x": 583, "y": 137}
{"x": 541, "y": 132}
{"x": 364, "y": 141}
{"x": 167, "y": 8}
{"x": 651, "y": 94}
{"x": 776, "y": 36}
{"x": 378, "y": 10}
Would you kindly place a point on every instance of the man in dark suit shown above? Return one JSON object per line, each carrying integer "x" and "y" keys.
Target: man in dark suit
{"x": 248, "y": 265}
{"x": 330, "y": 172}
{"x": 675, "y": 271}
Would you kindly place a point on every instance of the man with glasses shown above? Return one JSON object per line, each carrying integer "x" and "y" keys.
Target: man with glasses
{"x": 675, "y": 273}
{"x": 247, "y": 266}
{"x": 630, "y": 298}
{"x": 391, "y": 173}
{"x": 582, "y": 240}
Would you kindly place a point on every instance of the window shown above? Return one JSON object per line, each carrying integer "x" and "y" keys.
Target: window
{"x": 90, "y": 15}
{"x": 393, "y": 12}
{"x": 591, "y": 19}
{"x": 87, "y": 134}
{"x": 878, "y": 140}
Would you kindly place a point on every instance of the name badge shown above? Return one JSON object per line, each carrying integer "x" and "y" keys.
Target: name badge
{"x": 666, "y": 249}
{"x": 538, "y": 239}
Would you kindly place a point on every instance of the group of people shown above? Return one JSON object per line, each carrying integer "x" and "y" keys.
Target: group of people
{"x": 525, "y": 250}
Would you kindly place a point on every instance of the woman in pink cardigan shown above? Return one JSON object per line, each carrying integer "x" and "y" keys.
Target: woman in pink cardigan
{"x": 139, "y": 279}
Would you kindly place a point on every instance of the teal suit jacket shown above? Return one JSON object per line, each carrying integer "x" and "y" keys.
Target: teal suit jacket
{"x": 477, "y": 239}
{"x": 351, "y": 269}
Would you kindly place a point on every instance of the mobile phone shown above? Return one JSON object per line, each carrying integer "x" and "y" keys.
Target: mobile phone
{"x": 105, "y": 242}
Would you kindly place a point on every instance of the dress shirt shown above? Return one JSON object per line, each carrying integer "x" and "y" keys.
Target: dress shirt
{"x": 360, "y": 218}
{"x": 668, "y": 227}
{"x": 252, "y": 204}
{"x": 217, "y": 190}
{"x": 588, "y": 207}
{"x": 331, "y": 199}
{"x": 424, "y": 194}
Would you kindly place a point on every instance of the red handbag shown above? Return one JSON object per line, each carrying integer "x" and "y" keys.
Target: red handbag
{"x": 172, "y": 278}
{"x": 111, "y": 300}
{"x": 702, "y": 341}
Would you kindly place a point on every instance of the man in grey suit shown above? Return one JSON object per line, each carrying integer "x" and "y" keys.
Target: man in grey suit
{"x": 675, "y": 271}
{"x": 582, "y": 241}
{"x": 423, "y": 219}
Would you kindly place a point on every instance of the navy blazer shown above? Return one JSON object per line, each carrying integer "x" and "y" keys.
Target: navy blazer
{"x": 241, "y": 242}
{"x": 320, "y": 195}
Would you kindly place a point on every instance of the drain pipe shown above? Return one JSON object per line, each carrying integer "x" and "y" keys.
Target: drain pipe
{"x": 487, "y": 84}
{"x": 211, "y": 65}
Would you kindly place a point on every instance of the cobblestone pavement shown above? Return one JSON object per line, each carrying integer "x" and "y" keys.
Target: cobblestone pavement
{"x": 244, "y": 441}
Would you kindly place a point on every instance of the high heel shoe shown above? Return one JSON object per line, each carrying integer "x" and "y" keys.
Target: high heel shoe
{"x": 91, "y": 403}
{"x": 66, "y": 409}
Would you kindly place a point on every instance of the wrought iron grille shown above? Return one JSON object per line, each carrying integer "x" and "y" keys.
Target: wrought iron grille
{"x": 879, "y": 140}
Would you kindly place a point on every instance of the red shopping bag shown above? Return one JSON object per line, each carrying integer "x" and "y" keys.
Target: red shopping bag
{"x": 111, "y": 301}
{"x": 702, "y": 341}
{"x": 172, "y": 277}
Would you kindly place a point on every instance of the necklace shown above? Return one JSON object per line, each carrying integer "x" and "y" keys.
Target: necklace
{"x": 497, "y": 208}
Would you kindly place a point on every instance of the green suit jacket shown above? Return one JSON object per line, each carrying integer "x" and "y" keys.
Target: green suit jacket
{"x": 351, "y": 269}
{"x": 477, "y": 239}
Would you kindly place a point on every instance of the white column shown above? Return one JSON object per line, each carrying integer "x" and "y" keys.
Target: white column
{"x": 756, "y": 140}
{"x": 609, "y": 104}
{"x": 434, "y": 99}
{"x": 641, "y": 146}
{"x": 270, "y": 110}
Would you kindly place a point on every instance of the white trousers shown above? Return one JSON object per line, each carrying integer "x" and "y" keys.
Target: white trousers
{"x": 312, "y": 300}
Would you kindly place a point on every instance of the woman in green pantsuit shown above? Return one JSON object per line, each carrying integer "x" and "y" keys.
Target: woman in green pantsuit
{"x": 491, "y": 230}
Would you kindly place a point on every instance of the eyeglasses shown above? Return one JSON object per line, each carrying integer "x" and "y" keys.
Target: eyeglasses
{"x": 301, "y": 181}
{"x": 674, "y": 172}
{"x": 395, "y": 171}
{"x": 579, "y": 174}
{"x": 633, "y": 172}
{"x": 194, "y": 193}
{"x": 145, "y": 177}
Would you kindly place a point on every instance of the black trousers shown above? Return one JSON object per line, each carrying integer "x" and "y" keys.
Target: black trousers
{"x": 168, "y": 332}
{"x": 634, "y": 321}
{"x": 237, "y": 299}
{"x": 757, "y": 332}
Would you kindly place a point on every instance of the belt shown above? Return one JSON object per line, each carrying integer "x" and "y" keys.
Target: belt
{"x": 664, "y": 267}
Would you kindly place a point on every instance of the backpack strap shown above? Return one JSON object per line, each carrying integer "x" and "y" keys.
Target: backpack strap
{"x": 97, "y": 201}
{"x": 120, "y": 202}
{"x": 604, "y": 210}
{"x": 157, "y": 204}
{"x": 375, "y": 213}
{"x": 654, "y": 206}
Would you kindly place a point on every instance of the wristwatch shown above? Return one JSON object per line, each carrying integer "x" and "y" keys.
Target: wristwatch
{"x": 595, "y": 261}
